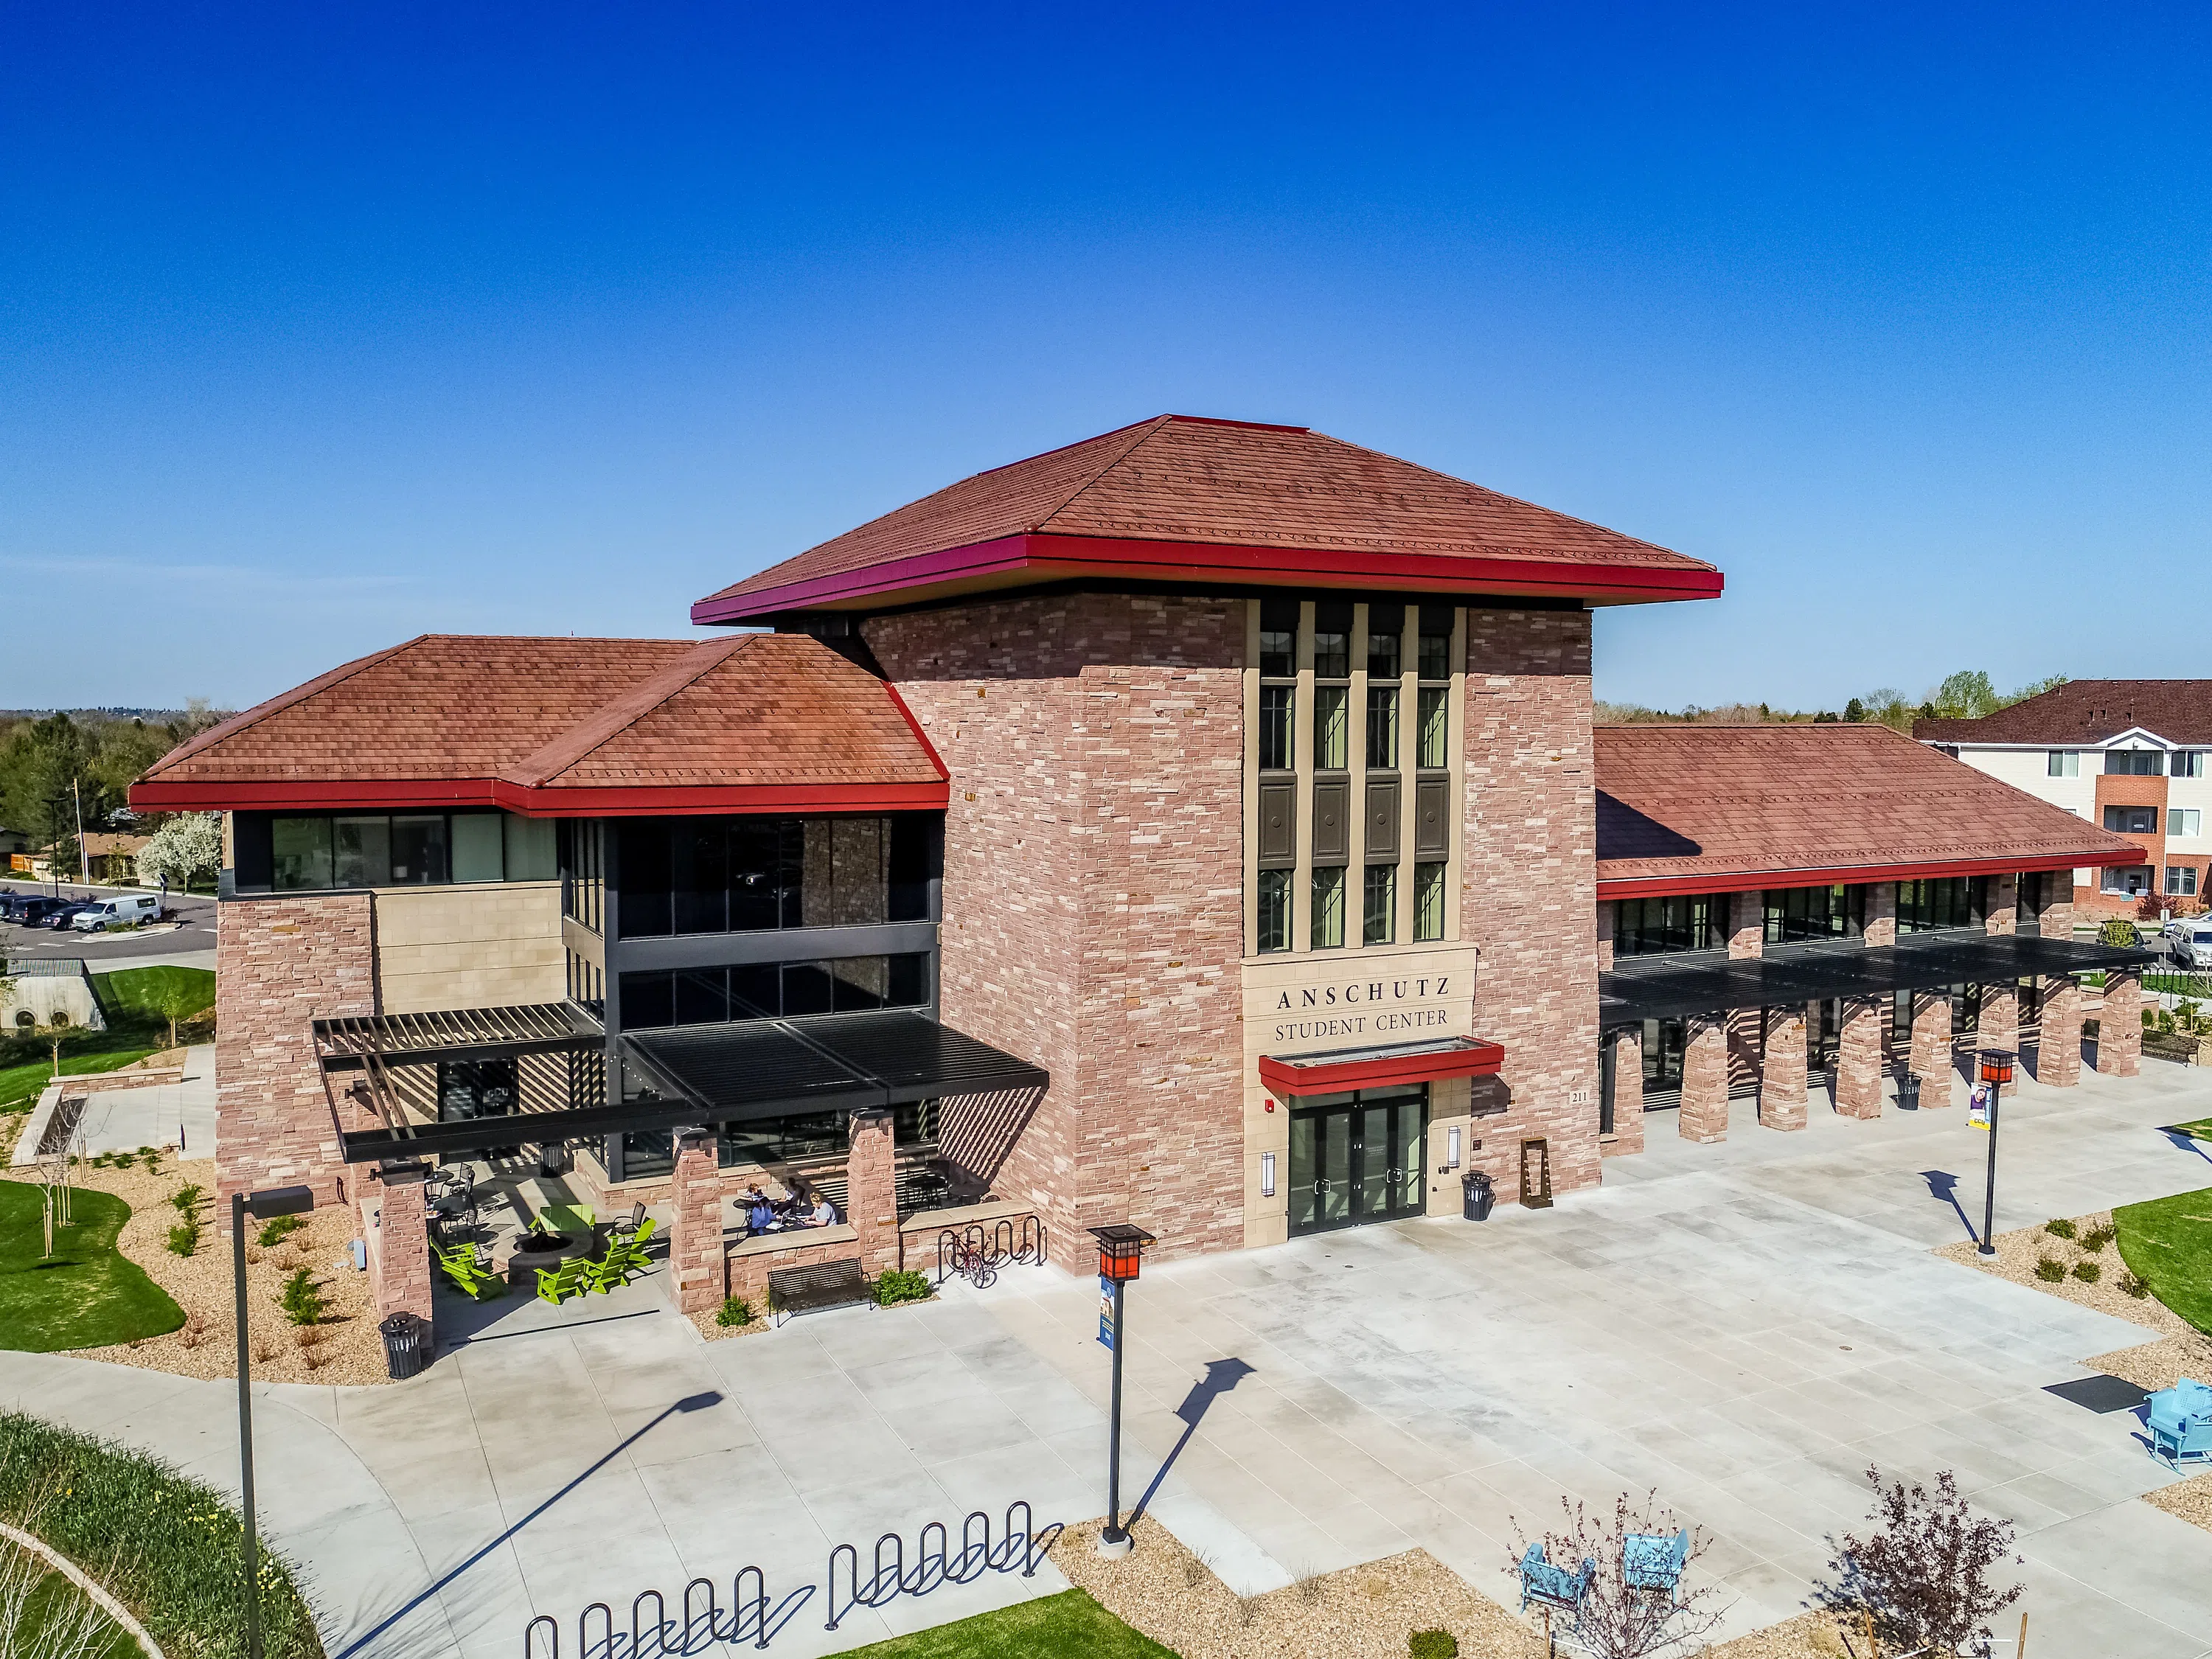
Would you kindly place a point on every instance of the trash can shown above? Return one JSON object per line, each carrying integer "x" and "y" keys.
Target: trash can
{"x": 1476, "y": 1195}
{"x": 1908, "y": 1093}
{"x": 404, "y": 1340}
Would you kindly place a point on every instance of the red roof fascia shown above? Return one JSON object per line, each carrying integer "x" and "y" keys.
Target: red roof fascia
{"x": 1746, "y": 880}
{"x": 1051, "y": 558}
{"x": 1290, "y": 1076}
{"x": 309, "y": 795}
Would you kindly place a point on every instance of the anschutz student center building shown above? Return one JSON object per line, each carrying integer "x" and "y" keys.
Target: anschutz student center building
{"x": 1202, "y": 826}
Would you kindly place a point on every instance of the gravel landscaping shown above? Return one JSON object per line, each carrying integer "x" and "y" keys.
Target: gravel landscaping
{"x": 2019, "y": 1252}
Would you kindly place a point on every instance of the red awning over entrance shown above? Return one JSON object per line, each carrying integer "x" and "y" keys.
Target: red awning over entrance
{"x": 1336, "y": 1069}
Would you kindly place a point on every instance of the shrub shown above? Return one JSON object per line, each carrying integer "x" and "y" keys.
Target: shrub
{"x": 188, "y": 1198}
{"x": 735, "y": 1310}
{"x": 2061, "y": 1229}
{"x": 2087, "y": 1271}
{"x": 166, "y": 1546}
{"x": 2096, "y": 1238}
{"x": 1924, "y": 1573}
{"x": 303, "y": 1301}
{"x": 2117, "y": 932}
{"x": 153, "y": 1158}
{"x": 278, "y": 1227}
{"x": 2050, "y": 1270}
{"x": 1619, "y": 1621}
{"x": 184, "y": 1236}
{"x": 895, "y": 1286}
{"x": 1432, "y": 1645}
{"x": 2134, "y": 1286}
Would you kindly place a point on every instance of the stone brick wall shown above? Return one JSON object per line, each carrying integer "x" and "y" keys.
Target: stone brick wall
{"x": 488, "y": 944}
{"x": 872, "y": 1192}
{"x": 2119, "y": 1026}
{"x": 281, "y": 964}
{"x": 1931, "y": 1046}
{"x": 1999, "y": 1027}
{"x": 2058, "y": 1051}
{"x": 402, "y": 1253}
{"x": 696, "y": 1262}
{"x": 1858, "y": 1056}
{"x": 1704, "y": 1114}
{"x": 1627, "y": 1094}
{"x": 1093, "y": 892}
{"x": 1879, "y": 924}
{"x": 747, "y": 1274}
{"x": 1782, "y": 1083}
{"x": 1529, "y": 820}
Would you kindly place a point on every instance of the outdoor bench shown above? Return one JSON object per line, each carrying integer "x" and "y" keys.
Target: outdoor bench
{"x": 824, "y": 1284}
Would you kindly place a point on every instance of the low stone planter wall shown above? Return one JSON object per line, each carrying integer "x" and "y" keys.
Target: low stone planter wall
{"x": 751, "y": 1260}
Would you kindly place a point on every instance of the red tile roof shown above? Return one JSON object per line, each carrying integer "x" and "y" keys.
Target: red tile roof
{"x": 1715, "y": 808}
{"x": 757, "y": 722}
{"x": 1179, "y": 498}
{"x": 2089, "y": 711}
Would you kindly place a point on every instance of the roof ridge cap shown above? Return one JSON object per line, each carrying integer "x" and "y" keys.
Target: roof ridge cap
{"x": 276, "y": 705}
{"x": 550, "y": 759}
{"x": 1145, "y": 431}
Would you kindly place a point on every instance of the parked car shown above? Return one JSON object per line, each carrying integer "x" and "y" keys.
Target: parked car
{"x": 12, "y": 901}
{"x": 67, "y": 914}
{"x": 33, "y": 909}
{"x": 103, "y": 913}
{"x": 2189, "y": 943}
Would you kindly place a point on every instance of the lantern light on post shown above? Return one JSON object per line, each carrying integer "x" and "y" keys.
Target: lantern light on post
{"x": 1996, "y": 1072}
{"x": 1120, "y": 1254}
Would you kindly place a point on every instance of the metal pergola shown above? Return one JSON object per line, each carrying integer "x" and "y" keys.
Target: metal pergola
{"x": 1671, "y": 986}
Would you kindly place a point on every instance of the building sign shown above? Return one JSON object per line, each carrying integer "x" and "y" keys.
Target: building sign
{"x": 1359, "y": 998}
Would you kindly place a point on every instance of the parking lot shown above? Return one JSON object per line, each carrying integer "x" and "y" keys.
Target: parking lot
{"x": 195, "y": 937}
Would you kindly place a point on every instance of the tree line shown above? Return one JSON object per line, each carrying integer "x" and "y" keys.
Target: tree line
{"x": 1966, "y": 695}
{"x": 49, "y": 763}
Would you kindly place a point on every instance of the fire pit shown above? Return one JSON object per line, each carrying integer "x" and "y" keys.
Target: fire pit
{"x": 537, "y": 1251}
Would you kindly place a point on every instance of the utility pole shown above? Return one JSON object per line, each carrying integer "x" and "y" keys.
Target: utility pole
{"x": 76, "y": 793}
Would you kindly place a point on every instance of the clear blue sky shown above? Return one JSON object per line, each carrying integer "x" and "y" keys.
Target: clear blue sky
{"x": 321, "y": 326}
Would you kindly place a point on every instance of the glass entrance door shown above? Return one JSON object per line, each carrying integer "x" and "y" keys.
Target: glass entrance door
{"x": 1357, "y": 1157}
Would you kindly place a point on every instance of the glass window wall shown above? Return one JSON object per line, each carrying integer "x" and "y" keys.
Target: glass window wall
{"x": 1798, "y": 915}
{"x": 714, "y": 875}
{"x": 1660, "y": 926}
{"x": 1275, "y": 909}
{"x": 1327, "y": 929}
{"x": 1379, "y": 906}
{"x": 1428, "y": 902}
{"x": 1927, "y": 907}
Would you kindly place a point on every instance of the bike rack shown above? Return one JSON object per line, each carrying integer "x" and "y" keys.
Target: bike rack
{"x": 749, "y": 1611}
{"x": 529, "y": 1631}
{"x": 607, "y": 1625}
{"x": 886, "y": 1582}
{"x": 977, "y": 1251}
{"x": 660, "y": 1624}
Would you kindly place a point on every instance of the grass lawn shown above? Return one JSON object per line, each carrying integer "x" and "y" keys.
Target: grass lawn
{"x": 2201, "y": 1130}
{"x": 131, "y": 999}
{"x": 53, "y": 1597}
{"x": 1069, "y": 1625}
{"x": 87, "y": 1295}
{"x": 2167, "y": 1243}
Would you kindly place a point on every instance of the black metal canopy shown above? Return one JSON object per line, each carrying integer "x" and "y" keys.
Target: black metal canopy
{"x": 727, "y": 1074}
{"x": 1671, "y": 986}
{"x": 456, "y": 1034}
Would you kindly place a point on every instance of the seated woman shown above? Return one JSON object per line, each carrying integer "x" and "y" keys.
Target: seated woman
{"x": 760, "y": 1213}
{"x": 824, "y": 1213}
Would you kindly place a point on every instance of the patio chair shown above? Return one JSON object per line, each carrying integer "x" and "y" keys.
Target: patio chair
{"x": 466, "y": 1269}
{"x": 1654, "y": 1561}
{"x": 627, "y": 1226}
{"x": 2180, "y": 1424}
{"x": 1555, "y": 1589}
{"x": 556, "y": 1283}
{"x": 625, "y": 1256}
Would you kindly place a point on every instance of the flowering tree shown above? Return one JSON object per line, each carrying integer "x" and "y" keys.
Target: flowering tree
{"x": 1617, "y": 1620}
{"x": 1925, "y": 1572}
{"x": 187, "y": 846}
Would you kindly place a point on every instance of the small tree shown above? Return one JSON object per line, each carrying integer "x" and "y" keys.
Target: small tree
{"x": 177, "y": 999}
{"x": 1618, "y": 1621}
{"x": 1925, "y": 1573}
{"x": 184, "y": 846}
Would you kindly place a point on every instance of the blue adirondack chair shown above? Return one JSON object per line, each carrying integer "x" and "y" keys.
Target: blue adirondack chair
{"x": 1654, "y": 1560}
{"x": 1548, "y": 1586}
{"x": 2180, "y": 1424}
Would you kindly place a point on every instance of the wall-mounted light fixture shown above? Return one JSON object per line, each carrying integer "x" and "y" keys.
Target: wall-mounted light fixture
{"x": 1451, "y": 1142}
{"x": 1266, "y": 1175}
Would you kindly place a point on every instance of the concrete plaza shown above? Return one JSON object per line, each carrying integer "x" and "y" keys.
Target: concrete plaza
{"x": 1743, "y": 1326}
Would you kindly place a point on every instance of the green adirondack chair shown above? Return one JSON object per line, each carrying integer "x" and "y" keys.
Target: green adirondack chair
{"x": 460, "y": 1263}
{"x": 555, "y": 1284}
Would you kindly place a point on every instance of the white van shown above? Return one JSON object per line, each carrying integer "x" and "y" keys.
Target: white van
{"x": 135, "y": 907}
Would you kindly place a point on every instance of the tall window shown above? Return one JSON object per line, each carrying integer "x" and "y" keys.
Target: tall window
{"x": 1796, "y": 915}
{"x": 2063, "y": 763}
{"x": 2181, "y": 880}
{"x": 1925, "y": 906}
{"x": 2187, "y": 764}
{"x": 1660, "y": 926}
{"x": 2183, "y": 820}
{"x": 2134, "y": 763}
{"x": 1379, "y": 908}
{"x": 1276, "y": 704}
{"x": 1428, "y": 902}
{"x": 1382, "y": 727}
{"x": 1275, "y": 909}
{"x": 1332, "y": 727}
{"x": 1329, "y": 908}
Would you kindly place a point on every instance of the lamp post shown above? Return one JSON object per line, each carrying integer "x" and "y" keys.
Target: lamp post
{"x": 1120, "y": 1253}
{"x": 271, "y": 1201}
{"x": 1996, "y": 1072}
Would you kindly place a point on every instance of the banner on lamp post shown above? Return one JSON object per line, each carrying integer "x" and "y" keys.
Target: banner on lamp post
{"x": 1105, "y": 1312}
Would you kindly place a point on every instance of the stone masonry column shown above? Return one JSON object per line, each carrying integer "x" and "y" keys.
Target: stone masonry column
{"x": 2000, "y": 1026}
{"x": 1858, "y": 1058}
{"x": 1745, "y": 918}
{"x": 2119, "y": 1028}
{"x": 1931, "y": 1046}
{"x": 2058, "y": 1056}
{"x": 872, "y": 1192}
{"x": 1704, "y": 1115}
{"x": 403, "y": 1245}
{"x": 1880, "y": 926}
{"x": 1782, "y": 1070}
{"x": 696, "y": 1260}
{"x": 1627, "y": 1092}
{"x": 2003, "y": 915}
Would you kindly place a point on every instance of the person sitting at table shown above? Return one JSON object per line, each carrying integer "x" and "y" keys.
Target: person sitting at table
{"x": 760, "y": 1214}
{"x": 824, "y": 1213}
